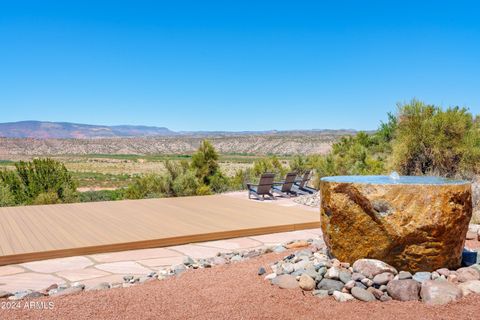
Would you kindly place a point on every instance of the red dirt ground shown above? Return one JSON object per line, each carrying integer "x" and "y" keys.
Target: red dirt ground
{"x": 231, "y": 292}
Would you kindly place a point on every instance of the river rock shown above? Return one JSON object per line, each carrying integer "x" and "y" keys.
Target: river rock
{"x": 383, "y": 278}
{"x": 422, "y": 276}
{"x": 320, "y": 293}
{"x": 403, "y": 290}
{"x": 344, "y": 276}
{"x": 396, "y": 223}
{"x": 362, "y": 294}
{"x": 329, "y": 284}
{"x": 371, "y": 267}
{"x": 306, "y": 282}
{"x": 342, "y": 297}
{"x": 472, "y": 286}
{"x": 285, "y": 281}
{"x": 403, "y": 275}
{"x": 467, "y": 274}
{"x": 439, "y": 292}
{"x": 332, "y": 273}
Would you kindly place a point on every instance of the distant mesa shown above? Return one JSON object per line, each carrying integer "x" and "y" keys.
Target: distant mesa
{"x": 67, "y": 130}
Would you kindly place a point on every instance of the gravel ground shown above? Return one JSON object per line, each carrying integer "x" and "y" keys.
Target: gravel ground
{"x": 231, "y": 292}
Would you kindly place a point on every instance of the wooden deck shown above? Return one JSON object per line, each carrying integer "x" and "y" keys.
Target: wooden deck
{"x": 42, "y": 232}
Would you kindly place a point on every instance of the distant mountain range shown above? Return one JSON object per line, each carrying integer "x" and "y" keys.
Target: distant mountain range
{"x": 66, "y": 130}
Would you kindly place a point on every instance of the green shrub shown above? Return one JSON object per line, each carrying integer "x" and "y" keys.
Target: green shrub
{"x": 205, "y": 162}
{"x": 218, "y": 183}
{"x": 203, "y": 190}
{"x": 148, "y": 186}
{"x": 46, "y": 198}
{"x": 7, "y": 199}
{"x": 429, "y": 140}
{"x": 186, "y": 184}
{"x": 36, "y": 181}
{"x": 101, "y": 195}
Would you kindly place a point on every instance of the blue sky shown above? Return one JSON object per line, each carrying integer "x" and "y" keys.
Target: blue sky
{"x": 235, "y": 65}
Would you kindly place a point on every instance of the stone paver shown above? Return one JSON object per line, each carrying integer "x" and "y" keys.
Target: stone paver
{"x": 111, "y": 267}
{"x": 82, "y": 274}
{"x": 56, "y": 265}
{"x": 123, "y": 267}
{"x": 28, "y": 280}
{"x": 233, "y": 244}
{"x": 8, "y": 270}
{"x": 276, "y": 238}
{"x": 159, "y": 262}
{"x": 110, "y": 279}
{"x": 134, "y": 255}
{"x": 197, "y": 251}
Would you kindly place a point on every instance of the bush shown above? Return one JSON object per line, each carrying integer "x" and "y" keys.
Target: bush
{"x": 101, "y": 195}
{"x": 205, "y": 162}
{"x": 218, "y": 183}
{"x": 46, "y": 198}
{"x": 429, "y": 140}
{"x": 41, "y": 181}
{"x": 186, "y": 184}
{"x": 148, "y": 186}
{"x": 7, "y": 199}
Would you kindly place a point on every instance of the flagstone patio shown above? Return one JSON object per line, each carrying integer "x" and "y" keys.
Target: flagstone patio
{"x": 111, "y": 267}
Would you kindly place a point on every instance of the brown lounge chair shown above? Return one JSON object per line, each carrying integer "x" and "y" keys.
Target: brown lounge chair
{"x": 285, "y": 187}
{"x": 263, "y": 187}
{"x": 300, "y": 186}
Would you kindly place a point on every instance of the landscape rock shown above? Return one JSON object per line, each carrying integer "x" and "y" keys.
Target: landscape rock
{"x": 394, "y": 223}
{"x": 371, "y": 267}
{"x": 320, "y": 293}
{"x": 472, "y": 286}
{"x": 439, "y": 292}
{"x": 342, "y": 297}
{"x": 68, "y": 291}
{"x": 403, "y": 275}
{"x": 471, "y": 235}
{"x": 422, "y": 276}
{"x": 443, "y": 272}
{"x": 383, "y": 278}
{"x": 344, "y": 276}
{"x": 297, "y": 244}
{"x": 376, "y": 292}
{"x": 362, "y": 294}
{"x": 329, "y": 284}
{"x": 332, "y": 273}
{"x": 285, "y": 281}
{"x": 261, "y": 271}
{"x": 306, "y": 282}
{"x": 467, "y": 274}
{"x": 5, "y": 294}
{"x": 100, "y": 286}
{"x": 270, "y": 276}
{"x": 403, "y": 290}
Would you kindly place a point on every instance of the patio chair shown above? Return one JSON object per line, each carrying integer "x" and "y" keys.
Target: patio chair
{"x": 285, "y": 187}
{"x": 263, "y": 187}
{"x": 300, "y": 186}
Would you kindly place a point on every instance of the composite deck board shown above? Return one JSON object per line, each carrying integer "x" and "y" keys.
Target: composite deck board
{"x": 50, "y": 231}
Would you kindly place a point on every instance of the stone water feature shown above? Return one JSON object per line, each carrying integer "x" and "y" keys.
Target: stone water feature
{"x": 412, "y": 223}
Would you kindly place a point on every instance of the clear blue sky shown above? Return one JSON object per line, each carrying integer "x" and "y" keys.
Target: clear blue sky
{"x": 235, "y": 65}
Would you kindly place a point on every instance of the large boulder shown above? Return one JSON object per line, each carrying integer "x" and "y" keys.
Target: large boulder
{"x": 439, "y": 292}
{"x": 413, "y": 227}
{"x": 403, "y": 290}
